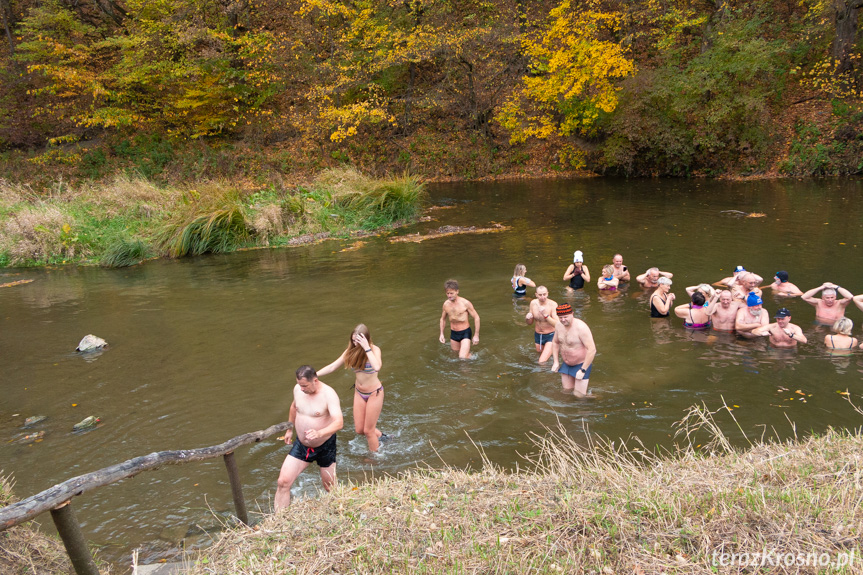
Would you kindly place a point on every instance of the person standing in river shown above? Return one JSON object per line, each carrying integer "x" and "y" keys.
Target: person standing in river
{"x": 828, "y": 308}
{"x": 782, "y": 332}
{"x": 519, "y": 282}
{"x": 457, "y": 309}
{"x": 621, "y": 272}
{"x": 365, "y": 359}
{"x": 724, "y": 315}
{"x": 316, "y": 417}
{"x": 542, "y": 316}
{"x": 577, "y": 273}
{"x": 573, "y": 341}
{"x": 650, "y": 278}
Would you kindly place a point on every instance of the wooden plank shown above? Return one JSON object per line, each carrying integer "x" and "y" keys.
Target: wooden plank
{"x": 29, "y": 508}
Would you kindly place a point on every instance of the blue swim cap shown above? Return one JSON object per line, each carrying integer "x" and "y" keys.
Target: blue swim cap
{"x": 752, "y": 299}
{"x": 739, "y": 269}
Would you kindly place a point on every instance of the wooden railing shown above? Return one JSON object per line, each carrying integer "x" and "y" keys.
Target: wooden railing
{"x": 58, "y": 499}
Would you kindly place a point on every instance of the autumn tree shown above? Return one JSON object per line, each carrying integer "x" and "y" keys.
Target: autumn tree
{"x": 575, "y": 64}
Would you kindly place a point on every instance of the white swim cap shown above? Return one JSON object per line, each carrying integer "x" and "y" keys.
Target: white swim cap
{"x": 578, "y": 256}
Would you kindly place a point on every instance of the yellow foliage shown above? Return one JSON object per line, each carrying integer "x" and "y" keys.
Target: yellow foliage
{"x": 573, "y": 75}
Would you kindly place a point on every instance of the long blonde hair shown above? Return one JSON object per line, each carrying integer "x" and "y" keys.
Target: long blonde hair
{"x": 355, "y": 358}
{"x": 520, "y": 270}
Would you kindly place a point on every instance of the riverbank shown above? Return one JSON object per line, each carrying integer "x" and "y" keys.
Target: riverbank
{"x": 604, "y": 507}
{"x": 26, "y": 550}
{"x": 600, "y": 508}
{"x": 128, "y": 220}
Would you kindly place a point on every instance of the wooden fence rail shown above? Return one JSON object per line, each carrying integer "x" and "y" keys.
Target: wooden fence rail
{"x": 57, "y": 499}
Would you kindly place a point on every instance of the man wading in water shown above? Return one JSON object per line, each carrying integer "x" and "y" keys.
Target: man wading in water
{"x": 317, "y": 416}
{"x": 572, "y": 338}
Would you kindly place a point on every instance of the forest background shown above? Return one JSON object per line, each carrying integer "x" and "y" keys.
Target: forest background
{"x": 273, "y": 92}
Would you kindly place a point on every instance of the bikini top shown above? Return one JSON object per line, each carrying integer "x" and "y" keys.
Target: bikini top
{"x": 850, "y": 344}
{"x": 367, "y": 369}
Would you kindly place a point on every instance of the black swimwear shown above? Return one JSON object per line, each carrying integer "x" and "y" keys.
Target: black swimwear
{"x": 460, "y": 335}
{"x": 655, "y": 312}
{"x": 324, "y": 454}
{"x": 576, "y": 281}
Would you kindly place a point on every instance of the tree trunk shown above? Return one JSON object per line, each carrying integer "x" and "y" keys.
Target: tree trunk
{"x": 846, "y": 12}
{"x": 6, "y": 11}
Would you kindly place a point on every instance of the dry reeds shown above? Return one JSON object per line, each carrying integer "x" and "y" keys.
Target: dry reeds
{"x": 603, "y": 507}
{"x": 25, "y": 550}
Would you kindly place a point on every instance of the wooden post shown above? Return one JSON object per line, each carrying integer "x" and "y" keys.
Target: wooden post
{"x": 236, "y": 488}
{"x": 73, "y": 539}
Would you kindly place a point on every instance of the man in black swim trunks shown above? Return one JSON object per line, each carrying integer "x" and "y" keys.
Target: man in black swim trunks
{"x": 457, "y": 309}
{"x": 317, "y": 416}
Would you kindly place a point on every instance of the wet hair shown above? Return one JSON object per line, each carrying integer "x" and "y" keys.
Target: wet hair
{"x": 828, "y": 291}
{"x": 843, "y": 325}
{"x": 520, "y": 270}
{"x": 663, "y": 281}
{"x": 450, "y": 284}
{"x": 653, "y": 270}
{"x": 306, "y": 372}
{"x": 698, "y": 298}
{"x": 355, "y": 358}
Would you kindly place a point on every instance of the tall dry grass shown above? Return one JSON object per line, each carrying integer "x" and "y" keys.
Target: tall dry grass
{"x": 24, "y": 550}
{"x": 603, "y": 507}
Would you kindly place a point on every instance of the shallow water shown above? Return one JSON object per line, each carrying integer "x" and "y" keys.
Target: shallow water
{"x": 204, "y": 349}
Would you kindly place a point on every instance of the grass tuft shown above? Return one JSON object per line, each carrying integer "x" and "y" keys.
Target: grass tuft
{"x": 212, "y": 221}
{"x": 124, "y": 252}
{"x": 24, "y": 549}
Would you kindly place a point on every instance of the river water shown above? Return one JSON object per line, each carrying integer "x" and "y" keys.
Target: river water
{"x": 204, "y": 349}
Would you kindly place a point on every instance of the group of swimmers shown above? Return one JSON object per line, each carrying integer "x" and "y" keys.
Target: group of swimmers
{"x": 735, "y": 308}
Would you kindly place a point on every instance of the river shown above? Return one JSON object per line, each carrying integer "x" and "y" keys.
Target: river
{"x": 204, "y": 349}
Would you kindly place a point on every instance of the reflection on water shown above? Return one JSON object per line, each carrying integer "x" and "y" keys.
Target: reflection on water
{"x": 204, "y": 349}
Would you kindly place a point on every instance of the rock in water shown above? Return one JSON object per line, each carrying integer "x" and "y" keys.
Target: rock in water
{"x": 90, "y": 343}
{"x": 86, "y": 423}
{"x": 34, "y": 420}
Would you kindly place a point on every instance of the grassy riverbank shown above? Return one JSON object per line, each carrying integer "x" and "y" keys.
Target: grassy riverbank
{"x": 128, "y": 220}
{"x": 24, "y": 550}
{"x": 603, "y": 508}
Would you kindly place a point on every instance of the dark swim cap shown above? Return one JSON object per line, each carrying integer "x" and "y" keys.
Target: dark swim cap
{"x": 783, "y": 276}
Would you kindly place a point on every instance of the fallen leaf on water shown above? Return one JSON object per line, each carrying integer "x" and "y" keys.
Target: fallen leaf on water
{"x": 799, "y": 392}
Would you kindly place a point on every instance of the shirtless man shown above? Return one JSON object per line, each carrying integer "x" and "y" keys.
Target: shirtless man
{"x": 543, "y": 316}
{"x": 574, "y": 342}
{"x": 729, "y": 281}
{"x": 724, "y": 315}
{"x": 750, "y": 316}
{"x": 782, "y": 287}
{"x": 827, "y": 308}
{"x": 747, "y": 282}
{"x": 650, "y": 278}
{"x": 782, "y": 333}
{"x": 620, "y": 270}
{"x": 457, "y": 309}
{"x": 317, "y": 416}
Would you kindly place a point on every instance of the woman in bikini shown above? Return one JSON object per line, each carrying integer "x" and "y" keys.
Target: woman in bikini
{"x": 661, "y": 299}
{"x": 840, "y": 339}
{"x": 519, "y": 282}
{"x": 607, "y": 281}
{"x": 696, "y": 314}
{"x": 364, "y": 358}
